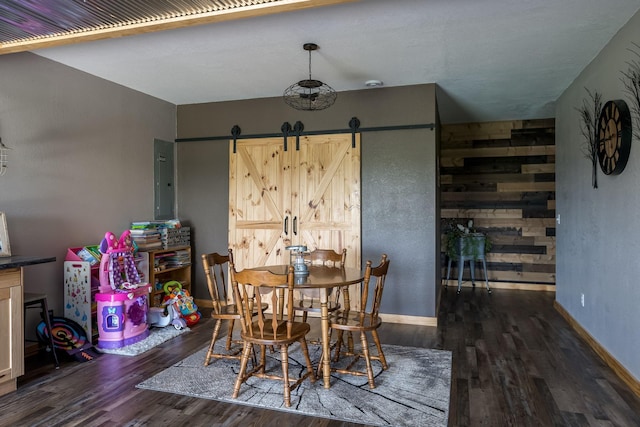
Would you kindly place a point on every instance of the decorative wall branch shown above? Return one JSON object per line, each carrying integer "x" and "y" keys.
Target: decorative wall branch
{"x": 631, "y": 81}
{"x": 589, "y": 113}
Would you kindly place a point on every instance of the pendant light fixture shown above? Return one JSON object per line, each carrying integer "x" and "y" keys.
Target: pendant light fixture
{"x": 310, "y": 94}
{"x": 3, "y": 157}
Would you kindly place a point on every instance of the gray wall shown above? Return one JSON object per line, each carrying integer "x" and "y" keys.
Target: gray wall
{"x": 598, "y": 237}
{"x": 81, "y": 161}
{"x": 398, "y": 180}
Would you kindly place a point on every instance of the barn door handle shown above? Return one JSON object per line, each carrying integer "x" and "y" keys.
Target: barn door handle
{"x": 295, "y": 225}
{"x": 286, "y": 225}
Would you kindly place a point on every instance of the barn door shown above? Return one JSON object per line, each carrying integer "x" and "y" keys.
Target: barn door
{"x": 308, "y": 196}
{"x": 326, "y": 208}
{"x": 259, "y": 202}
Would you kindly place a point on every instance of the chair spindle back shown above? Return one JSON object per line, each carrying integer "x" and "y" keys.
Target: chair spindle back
{"x": 328, "y": 257}
{"x": 255, "y": 286}
{"x": 371, "y": 306}
{"x": 215, "y": 266}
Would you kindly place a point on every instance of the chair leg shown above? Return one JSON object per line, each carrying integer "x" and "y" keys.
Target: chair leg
{"x": 367, "y": 359}
{"x": 319, "y": 368}
{"x": 230, "y": 334}
{"x": 305, "y": 351}
{"x": 243, "y": 369}
{"x": 320, "y": 361}
{"x": 284, "y": 355}
{"x": 336, "y": 355}
{"x": 376, "y": 340}
{"x": 446, "y": 283}
{"x": 47, "y": 321}
{"x": 263, "y": 357}
{"x": 214, "y": 337}
{"x": 460, "y": 271}
{"x": 254, "y": 359}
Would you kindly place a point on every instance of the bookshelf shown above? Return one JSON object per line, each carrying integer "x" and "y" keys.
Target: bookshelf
{"x": 166, "y": 265}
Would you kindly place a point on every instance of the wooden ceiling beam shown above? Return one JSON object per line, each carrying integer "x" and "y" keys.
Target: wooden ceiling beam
{"x": 244, "y": 12}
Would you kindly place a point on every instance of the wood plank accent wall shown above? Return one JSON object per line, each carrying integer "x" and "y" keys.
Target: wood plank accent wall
{"x": 502, "y": 174}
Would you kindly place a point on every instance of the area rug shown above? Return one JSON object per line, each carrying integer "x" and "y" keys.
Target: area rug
{"x": 156, "y": 337}
{"x": 414, "y": 391}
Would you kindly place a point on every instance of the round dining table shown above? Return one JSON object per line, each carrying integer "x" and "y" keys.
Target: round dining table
{"x": 323, "y": 278}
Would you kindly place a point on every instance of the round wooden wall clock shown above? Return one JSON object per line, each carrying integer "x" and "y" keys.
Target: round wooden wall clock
{"x": 614, "y": 137}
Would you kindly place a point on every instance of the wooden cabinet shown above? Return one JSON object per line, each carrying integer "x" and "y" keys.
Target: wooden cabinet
{"x": 11, "y": 318}
{"x": 166, "y": 265}
{"x": 307, "y": 195}
{"x": 11, "y": 329}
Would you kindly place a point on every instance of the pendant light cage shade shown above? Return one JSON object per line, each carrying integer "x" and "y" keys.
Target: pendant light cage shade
{"x": 310, "y": 94}
{"x": 3, "y": 157}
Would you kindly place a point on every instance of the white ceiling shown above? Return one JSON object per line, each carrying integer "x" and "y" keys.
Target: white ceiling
{"x": 493, "y": 59}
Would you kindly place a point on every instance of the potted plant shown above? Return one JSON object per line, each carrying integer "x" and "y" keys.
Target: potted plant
{"x": 463, "y": 239}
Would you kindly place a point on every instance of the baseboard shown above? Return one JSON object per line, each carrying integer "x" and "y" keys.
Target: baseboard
{"x": 205, "y": 303}
{"x": 611, "y": 361}
{"x": 504, "y": 285}
{"x": 391, "y": 318}
{"x": 31, "y": 349}
{"x": 8, "y": 386}
{"x": 409, "y": 320}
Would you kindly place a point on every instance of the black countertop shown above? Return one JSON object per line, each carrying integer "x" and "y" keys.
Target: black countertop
{"x": 21, "y": 261}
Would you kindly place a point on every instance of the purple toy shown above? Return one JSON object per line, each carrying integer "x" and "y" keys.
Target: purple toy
{"x": 117, "y": 268}
{"x": 123, "y": 302}
{"x": 122, "y": 318}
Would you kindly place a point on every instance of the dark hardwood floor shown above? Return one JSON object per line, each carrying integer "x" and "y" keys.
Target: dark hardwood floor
{"x": 516, "y": 362}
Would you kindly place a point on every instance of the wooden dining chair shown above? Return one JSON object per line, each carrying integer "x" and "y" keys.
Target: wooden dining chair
{"x": 215, "y": 270}
{"x": 276, "y": 329}
{"x": 215, "y": 266}
{"x": 308, "y": 301}
{"x": 364, "y": 320}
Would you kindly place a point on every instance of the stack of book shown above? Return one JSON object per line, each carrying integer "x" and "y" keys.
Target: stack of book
{"x": 178, "y": 259}
{"x": 160, "y": 234}
{"x": 146, "y": 225}
{"x": 174, "y": 237}
{"x": 161, "y": 261}
{"x": 173, "y": 259}
{"x": 147, "y": 239}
